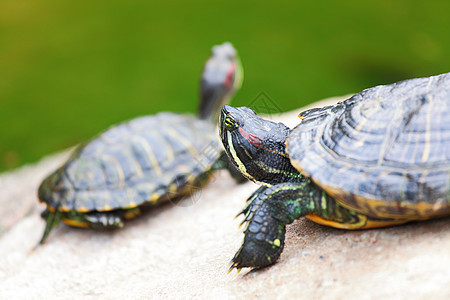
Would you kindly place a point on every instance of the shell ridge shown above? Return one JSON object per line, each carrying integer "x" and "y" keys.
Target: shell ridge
{"x": 404, "y": 165}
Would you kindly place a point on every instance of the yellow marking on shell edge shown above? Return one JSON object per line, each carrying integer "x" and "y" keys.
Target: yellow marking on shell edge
{"x": 420, "y": 211}
{"x": 364, "y": 222}
{"x": 64, "y": 208}
{"x": 75, "y": 223}
{"x": 106, "y": 208}
{"x": 82, "y": 209}
{"x": 319, "y": 220}
{"x": 384, "y": 223}
{"x": 131, "y": 205}
{"x": 154, "y": 197}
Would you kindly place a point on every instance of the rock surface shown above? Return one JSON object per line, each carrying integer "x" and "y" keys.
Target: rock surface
{"x": 182, "y": 250}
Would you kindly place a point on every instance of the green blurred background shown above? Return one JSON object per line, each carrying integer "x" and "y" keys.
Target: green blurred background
{"x": 69, "y": 69}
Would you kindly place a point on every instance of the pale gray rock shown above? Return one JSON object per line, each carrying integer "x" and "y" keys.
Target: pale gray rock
{"x": 182, "y": 250}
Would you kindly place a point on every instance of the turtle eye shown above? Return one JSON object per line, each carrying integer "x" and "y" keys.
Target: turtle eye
{"x": 230, "y": 123}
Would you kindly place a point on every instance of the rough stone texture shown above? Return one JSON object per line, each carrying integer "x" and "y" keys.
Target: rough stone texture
{"x": 182, "y": 250}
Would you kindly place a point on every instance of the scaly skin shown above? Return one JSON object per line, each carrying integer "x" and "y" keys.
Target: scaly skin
{"x": 383, "y": 154}
{"x": 272, "y": 209}
{"x": 257, "y": 148}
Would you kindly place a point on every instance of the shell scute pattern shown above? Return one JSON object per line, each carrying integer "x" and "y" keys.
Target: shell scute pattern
{"x": 101, "y": 176}
{"x": 372, "y": 147}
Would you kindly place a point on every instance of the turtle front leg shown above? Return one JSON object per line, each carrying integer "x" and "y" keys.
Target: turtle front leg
{"x": 267, "y": 215}
{"x": 272, "y": 209}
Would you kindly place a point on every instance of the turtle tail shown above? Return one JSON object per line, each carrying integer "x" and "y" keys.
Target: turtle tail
{"x": 52, "y": 219}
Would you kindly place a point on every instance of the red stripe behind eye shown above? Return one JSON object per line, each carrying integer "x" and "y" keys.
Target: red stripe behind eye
{"x": 229, "y": 75}
{"x": 251, "y": 138}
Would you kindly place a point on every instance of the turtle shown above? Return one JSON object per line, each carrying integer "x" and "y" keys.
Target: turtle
{"x": 146, "y": 161}
{"x": 379, "y": 158}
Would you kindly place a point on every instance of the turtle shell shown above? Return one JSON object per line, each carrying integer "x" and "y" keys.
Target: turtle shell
{"x": 385, "y": 152}
{"x": 132, "y": 163}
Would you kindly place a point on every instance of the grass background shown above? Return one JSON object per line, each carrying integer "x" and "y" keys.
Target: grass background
{"x": 69, "y": 69}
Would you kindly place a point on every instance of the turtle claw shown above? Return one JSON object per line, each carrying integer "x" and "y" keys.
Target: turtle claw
{"x": 237, "y": 216}
{"x": 234, "y": 265}
{"x": 262, "y": 246}
{"x": 247, "y": 216}
{"x": 243, "y": 212}
{"x": 230, "y": 269}
{"x": 242, "y": 223}
{"x": 238, "y": 270}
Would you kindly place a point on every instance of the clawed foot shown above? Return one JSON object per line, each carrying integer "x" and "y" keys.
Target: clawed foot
{"x": 263, "y": 242}
{"x": 265, "y": 227}
{"x": 256, "y": 254}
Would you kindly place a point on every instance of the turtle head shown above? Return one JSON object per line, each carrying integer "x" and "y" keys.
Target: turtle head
{"x": 257, "y": 147}
{"x": 222, "y": 76}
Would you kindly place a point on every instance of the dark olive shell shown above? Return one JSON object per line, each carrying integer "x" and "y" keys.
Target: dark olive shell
{"x": 135, "y": 162}
{"x": 384, "y": 152}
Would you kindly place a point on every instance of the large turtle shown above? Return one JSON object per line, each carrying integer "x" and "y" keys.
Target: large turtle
{"x": 380, "y": 158}
{"x": 145, "y": 161}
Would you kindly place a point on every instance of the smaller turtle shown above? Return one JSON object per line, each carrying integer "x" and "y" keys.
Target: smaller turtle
{"x": 380, "y": 158}
{"x": 146, "y": 161}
